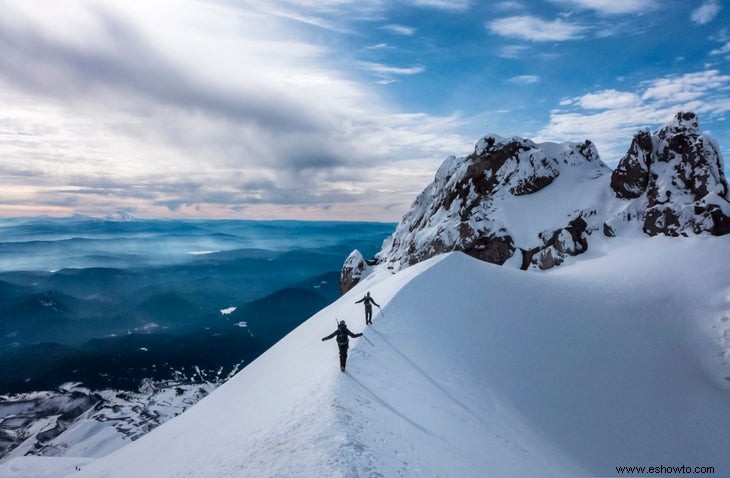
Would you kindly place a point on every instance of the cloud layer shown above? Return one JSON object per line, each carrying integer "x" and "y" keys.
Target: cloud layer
{"x": 245, "y": 115}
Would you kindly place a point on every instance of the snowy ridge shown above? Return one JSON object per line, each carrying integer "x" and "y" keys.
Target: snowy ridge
{"x": 617, "y": 359}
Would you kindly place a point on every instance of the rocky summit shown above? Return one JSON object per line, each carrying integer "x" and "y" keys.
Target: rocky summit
{"x": 531, "y": 205}
{"x": 673, "y": 182}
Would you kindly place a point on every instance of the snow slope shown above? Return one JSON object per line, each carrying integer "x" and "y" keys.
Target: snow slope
{"x": 619, "y": 358}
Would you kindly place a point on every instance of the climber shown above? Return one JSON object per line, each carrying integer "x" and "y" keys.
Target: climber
{"x": 343, "y": 340}
{"x": 369, "y": 301}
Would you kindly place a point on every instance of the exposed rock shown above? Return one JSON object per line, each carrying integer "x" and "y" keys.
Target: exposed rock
{"x": 518, "y": 164}
{"x": 675, "y": 178}
{"x": 567, "y": 241}
{"x": 631, "y": 176}
{"x": 467, "y": 207}
{"x": 352, "y": 271}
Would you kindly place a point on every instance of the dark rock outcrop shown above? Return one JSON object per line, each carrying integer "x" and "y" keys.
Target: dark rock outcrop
{"x": 567, "y": 241}
{"x": 676, "y": 179}
{"x": 631, "y": 177}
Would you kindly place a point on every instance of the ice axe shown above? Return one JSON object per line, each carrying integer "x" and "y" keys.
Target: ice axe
{"x": 381, "y": 311}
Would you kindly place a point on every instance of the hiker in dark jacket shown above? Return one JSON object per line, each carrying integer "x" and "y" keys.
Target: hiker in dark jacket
{"x": 369, "y": 301}
{"x": 343, "y": 341}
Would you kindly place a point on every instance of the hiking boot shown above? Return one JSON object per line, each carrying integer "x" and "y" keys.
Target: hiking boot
{"x": 342, "y": 369}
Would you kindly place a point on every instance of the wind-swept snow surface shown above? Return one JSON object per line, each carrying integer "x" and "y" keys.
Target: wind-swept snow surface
{"x": 617, "y": 359}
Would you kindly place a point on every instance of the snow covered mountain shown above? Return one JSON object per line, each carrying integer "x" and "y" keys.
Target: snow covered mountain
{"x": 510, "y": 195}
{"x": 621, "y": 358}
{"x": 529, "y": 205}
{"x": 120, "y": 216}
{"x": 673, "y": 182}
{"x": 82, "y": 423}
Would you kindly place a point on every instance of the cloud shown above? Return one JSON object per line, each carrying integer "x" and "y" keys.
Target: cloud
{"x": 608, "y": 99}
{"x": 325, "y": 14}
{"x": 200, "y": 109}
{"x": 535, "y": 29}
{"x": 452, "y": 5}
{"x": 706, "y": 12}
{"x": 399, "y": 29}
{"x": 508, "y": 5}
{"x": 124, "y": 62}
{"x": 512, "y": 51}
{"x": 524, "y": 79}
{"x": 612, "y": 7}
{"x": 610, "y": 118}
{"x": 723, "y": 50}
{"x": 684, "y": 88}
{"x": 392, "y": 70}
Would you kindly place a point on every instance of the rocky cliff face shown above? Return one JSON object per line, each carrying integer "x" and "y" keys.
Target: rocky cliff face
{"x": 530, "y": 205}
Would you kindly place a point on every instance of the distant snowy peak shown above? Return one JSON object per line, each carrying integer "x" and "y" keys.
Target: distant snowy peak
{"x": 81, "y": 217}
{"x": 120, "y": 216}
{"x": 674, "y": 181}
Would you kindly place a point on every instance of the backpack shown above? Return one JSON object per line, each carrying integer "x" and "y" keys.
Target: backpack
{"x": 342, "y": 334}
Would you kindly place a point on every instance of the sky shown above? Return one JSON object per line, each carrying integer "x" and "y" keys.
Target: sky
{"x": 327, "y": 109}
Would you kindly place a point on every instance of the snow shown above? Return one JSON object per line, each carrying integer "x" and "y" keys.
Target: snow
{"x": 228, "y": 310}
{"x": 118, "y": 216}
{"x": 73, "y": 421}
{"x": 354, "y": 260}
{"x": 573, "y": 191}
{"x": 717, "y": 200}
{"x": 619, "y": 357}
{"x": 90, "y": 438}
{"x": 43, "y": 467}
{"x": 490, "y": 141}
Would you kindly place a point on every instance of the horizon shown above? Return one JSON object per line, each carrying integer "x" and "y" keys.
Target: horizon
{"x": 109, "y": 218}
{"x": 334, "y": 110}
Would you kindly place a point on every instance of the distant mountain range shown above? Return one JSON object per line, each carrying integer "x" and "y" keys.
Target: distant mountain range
{"x": 114, "y": 307}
